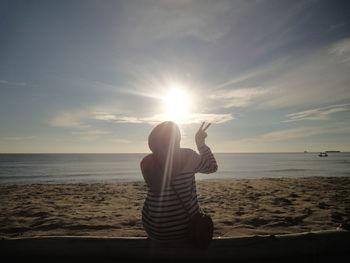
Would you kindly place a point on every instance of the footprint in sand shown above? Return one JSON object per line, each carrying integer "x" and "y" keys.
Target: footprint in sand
{"x": 239, "y": 213}
{"x": 228, "y": 223}
{"x": 281, "y": 201}
{"x": 337, "y": 217}
{"x": 323, "y": 205}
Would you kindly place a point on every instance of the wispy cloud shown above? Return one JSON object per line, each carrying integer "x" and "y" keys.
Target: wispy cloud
{"x": 91, "y": 132}
{"x": 315, "y": 78}
{"x": 13, "y": 83}
{"x": 342, "y": 49}
{"x": 19, "y": 138}
{"x": 294, "y": 133}
{"x": 118, "y": 140}
{"x": 147, "y": 22}
{"x": 322, "y": 113}
{"x": 90, "y": 135}
{"x": 285, "y": 135}
{"x": 89, "y": 138}
{"x": 189, "y": 119}
{"x": 241, "y": 97}
{"x": 69, "y": 120}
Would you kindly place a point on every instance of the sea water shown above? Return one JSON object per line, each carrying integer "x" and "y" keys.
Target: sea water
{"x": 105, "y": 168}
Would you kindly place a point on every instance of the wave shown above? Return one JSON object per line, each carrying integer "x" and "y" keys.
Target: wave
{"x": 287, "y": 170}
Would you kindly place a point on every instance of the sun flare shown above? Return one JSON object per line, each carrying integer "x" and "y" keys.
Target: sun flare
{"x": 177, "y": 104}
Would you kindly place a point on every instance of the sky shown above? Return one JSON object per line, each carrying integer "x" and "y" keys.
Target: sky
{"x": 95, "y": 76}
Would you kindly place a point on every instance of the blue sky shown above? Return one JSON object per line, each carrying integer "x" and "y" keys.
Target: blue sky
{"x": 87, "y": 76}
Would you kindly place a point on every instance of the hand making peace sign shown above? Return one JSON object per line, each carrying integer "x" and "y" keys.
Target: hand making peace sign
{"x": 201, "y": 135}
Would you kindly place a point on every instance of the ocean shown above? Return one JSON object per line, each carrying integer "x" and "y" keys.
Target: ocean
{"x": 108, "y": 168}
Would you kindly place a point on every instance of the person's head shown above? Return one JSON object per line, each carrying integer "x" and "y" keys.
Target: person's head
{"x": 164, "y": 142}
{"x": 164, "y": 137}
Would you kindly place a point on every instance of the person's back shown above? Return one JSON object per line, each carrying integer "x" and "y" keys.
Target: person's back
{"x": 169, "y": 175}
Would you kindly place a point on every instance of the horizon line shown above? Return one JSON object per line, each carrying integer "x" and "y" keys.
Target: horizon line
{"x": 347, "y": 151}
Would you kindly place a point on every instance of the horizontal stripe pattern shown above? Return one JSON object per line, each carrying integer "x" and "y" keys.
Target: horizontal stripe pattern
{"x": 208, "y": 163}
{"x": 163, "y": 216}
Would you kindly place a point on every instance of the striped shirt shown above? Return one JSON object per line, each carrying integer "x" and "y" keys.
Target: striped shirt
{"x": 163, "y": 216}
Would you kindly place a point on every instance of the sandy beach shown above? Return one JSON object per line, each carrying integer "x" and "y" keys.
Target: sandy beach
{"x": 238, "y": 207}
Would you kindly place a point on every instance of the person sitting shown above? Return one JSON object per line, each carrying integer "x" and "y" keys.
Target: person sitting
{"x": 169, "y": 174}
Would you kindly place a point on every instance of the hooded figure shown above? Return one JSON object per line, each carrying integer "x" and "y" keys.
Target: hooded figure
{"x": 165, "y": 161}
{"x": 169, "y": 174}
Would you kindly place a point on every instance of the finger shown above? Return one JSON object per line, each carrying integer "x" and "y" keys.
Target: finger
{"x": 207, "y": 127}
{"x": 201, "y": 126}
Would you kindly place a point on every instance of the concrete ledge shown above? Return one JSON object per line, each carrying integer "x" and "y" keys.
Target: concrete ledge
{"x": 333, "y": 244}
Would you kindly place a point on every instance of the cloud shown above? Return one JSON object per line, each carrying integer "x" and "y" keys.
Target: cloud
{"x": 240, "y": 97}
{"x": 79, "y": 120}
{"x": 145, "y": 22}
{"x": 315, "y": 78}
{"x": 208, "y": 117}
{"x": 284, "y": 135}
{"x": 90, "y": 135}
{"x": 13, "y": 83}
{"x": 342, "y": 49}
{"x": 91, "y": 132}
{"x": 190, "y": 118}
{"x": 294, "y": 133}
{"x": 19, "y": 138}
{"x": 317, "y": 114}
{"x": 69, "y": 120}
{"x": 120, "y": 141}
{"x": 89, "y": 138}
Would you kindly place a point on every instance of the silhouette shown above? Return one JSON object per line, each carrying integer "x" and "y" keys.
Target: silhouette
{"x": 169, "y": 171}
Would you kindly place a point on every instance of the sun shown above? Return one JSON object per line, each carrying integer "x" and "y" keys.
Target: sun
{"x": 177, "y": 104}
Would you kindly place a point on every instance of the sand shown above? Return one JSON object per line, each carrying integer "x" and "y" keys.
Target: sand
{"x": 238, "y": 207}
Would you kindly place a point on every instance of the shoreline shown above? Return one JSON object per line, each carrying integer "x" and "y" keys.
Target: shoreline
{"x": 239, "y": 207}
{"x": 197, "y": 180}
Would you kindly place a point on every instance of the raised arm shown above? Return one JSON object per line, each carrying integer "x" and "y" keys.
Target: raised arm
{"x": 204, "y": 162}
